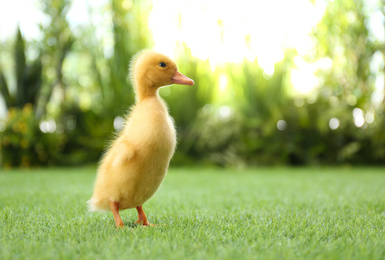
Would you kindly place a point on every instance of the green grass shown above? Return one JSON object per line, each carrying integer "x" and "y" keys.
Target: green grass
{"x": 268, "y": 213}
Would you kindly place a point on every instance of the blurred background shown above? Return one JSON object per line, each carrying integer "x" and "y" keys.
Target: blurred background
{"x": 277, "y": 82}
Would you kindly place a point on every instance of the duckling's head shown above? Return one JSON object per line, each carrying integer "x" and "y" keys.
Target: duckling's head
{"x": 151, "y": 70}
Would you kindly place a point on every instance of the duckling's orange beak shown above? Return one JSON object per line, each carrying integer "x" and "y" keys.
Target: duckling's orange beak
{"x": 181, "y": 79}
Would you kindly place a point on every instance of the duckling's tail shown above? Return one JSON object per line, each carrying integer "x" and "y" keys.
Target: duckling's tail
{"x": 93, "y": 205}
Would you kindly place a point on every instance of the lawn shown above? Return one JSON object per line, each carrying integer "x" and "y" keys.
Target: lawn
{"x": 267, "y": 213}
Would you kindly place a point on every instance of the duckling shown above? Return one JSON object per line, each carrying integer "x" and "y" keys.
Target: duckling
{"x": 134, "y": 166}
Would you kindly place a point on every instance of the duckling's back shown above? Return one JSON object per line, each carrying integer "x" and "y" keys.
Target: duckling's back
{"x": 136, "y": 163}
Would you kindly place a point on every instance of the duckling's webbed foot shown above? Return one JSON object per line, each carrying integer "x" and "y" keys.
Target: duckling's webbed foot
{"x": 115, "y": 211}
{"x": 142, "y": 217}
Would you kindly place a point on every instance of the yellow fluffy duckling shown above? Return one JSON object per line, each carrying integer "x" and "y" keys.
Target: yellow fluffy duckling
{"x": 134, "y": 166}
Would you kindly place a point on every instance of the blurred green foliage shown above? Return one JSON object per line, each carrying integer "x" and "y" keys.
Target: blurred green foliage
{"x": 28, "y": 78}
{"x": 23, "y": 144}
{"x": 79, "y": 81}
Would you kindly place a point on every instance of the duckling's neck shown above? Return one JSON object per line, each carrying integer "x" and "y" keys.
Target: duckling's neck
{"x": 144, "y": 90}
{"x": 140, "y": 96}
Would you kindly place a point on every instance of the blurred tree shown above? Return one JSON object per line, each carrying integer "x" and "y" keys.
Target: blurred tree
{"x": 28, "y": 78}
{"x": 343, "y": 37}
{"x": 381, "y": 45}
{"x": 21, "y": 141}
{"x": 54, "y": 48}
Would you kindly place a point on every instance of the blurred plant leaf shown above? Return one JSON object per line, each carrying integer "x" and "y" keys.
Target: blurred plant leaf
{"x": 9, "y": 101}
{"x": 20, "y": 68}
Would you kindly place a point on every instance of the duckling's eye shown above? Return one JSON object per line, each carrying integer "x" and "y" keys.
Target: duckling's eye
{"x": 162, "y": 64}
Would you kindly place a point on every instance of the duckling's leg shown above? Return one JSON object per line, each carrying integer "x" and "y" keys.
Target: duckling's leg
{"x": 142, "y": 217}
{"x": 115, "y": 211}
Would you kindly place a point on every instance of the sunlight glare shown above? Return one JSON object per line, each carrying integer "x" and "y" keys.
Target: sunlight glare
{"x": 222, "y": 82}
{"x": 27, "y": 17}
{"x": 224, "y": 112}
{"x": 228, "y": 31}
{"x": 303, "y": 78}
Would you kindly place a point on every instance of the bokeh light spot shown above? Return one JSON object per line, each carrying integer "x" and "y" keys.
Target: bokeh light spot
{"x": 334, "y": 123}
{"x": 281, "y": 125}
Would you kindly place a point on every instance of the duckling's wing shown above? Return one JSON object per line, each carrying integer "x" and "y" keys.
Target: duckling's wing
{"x": 124, "y": 151}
